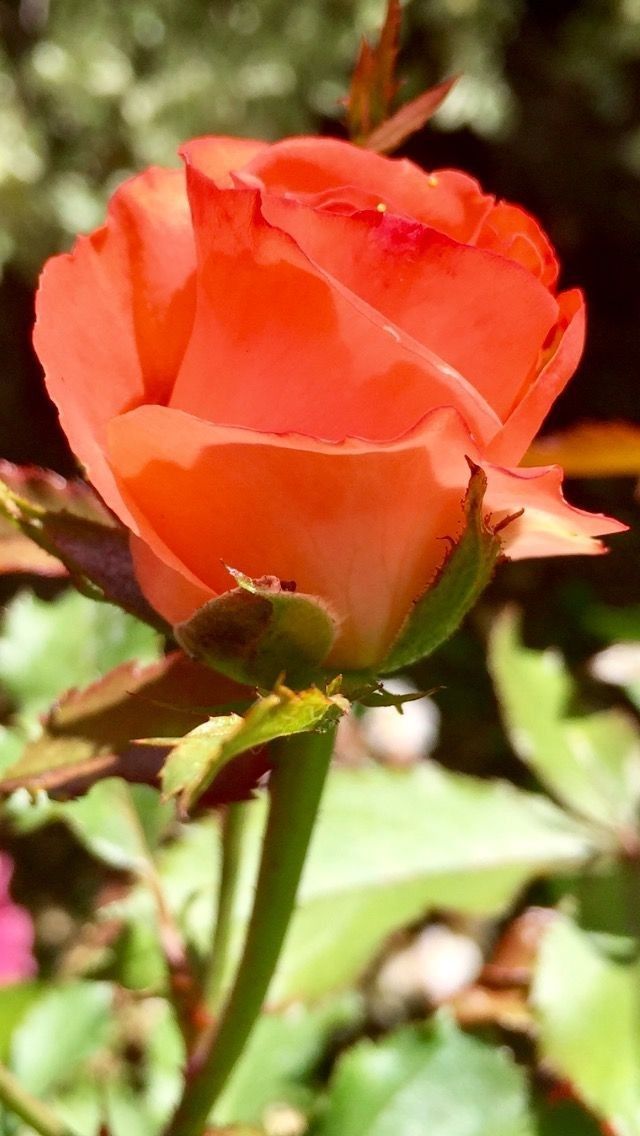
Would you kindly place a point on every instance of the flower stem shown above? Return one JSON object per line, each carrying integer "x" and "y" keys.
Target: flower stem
{"x": 233, "y": 827}
{"x": 300, "y": 769}
{"x": 34, "y": 1113}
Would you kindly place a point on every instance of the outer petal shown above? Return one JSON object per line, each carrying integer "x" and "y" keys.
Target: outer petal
{"x": 510, "y": 444}
{"x": 280, "y": 346}
{"x": 512, "y": 232}
{"x": 549, "y": 526}
{"x": 218, "y": 156}
{"x": 113, "y": 317}
{"x": 169, "y": 586}
{"x": 332, "y": 173}
{"x": 486, "y": 315}
{"x": 363, "y": 527}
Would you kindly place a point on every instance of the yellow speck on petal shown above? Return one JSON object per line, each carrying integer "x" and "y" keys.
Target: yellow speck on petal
{"x": 432, "y": 181}
{"x": 381, "y": 207}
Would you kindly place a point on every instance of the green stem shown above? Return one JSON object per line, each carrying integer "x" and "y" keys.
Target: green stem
{"x": 233, "y": 827}
{"x": 34, "y": 1113}
{"x": 295, "y": 789}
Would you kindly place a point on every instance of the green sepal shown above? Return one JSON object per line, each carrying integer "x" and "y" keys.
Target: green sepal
{"x": 199, "y": 757}
{"x": 464, "y": 575}
{"x": 259, "y": 632}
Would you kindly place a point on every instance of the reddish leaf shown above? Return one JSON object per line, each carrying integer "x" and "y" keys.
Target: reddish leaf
{"x": 19, "y": 554}
{"x": 411, "y": 117}
{"x": 90, "y": 733}
{"x": 50, "y": 491}
{"x": 67, "y": 521}
{"x": 374, "y": 85}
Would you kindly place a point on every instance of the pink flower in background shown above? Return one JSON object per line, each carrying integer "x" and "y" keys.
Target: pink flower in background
{"x": 16, "y": 932}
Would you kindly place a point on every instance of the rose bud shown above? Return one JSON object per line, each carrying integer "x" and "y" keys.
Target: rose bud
{"x": 280, "y": 360}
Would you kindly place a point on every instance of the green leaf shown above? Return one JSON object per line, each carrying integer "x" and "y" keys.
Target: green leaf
{"x": 260, "y": 631}
{"x": 464, "y": 575}
{"x": 392, "y": 845}
{"x": 120, "y": 824}
{"x": 389, "y": 847}
{"x": 57, "y": 1035}
{"x": 91, "y": 545}
{"x": 15, "y": 1000}
{"x": 588, "y": 1010}
{"x": 46, "y": 648}
{"x": 282, "y": 1054}
{"x": 591, "y": 762}
{"x": 201, "y": 755}
{"x": 429, "y": 1078}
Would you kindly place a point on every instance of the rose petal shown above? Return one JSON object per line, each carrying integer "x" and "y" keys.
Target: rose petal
{"x": 447, "y": 200}
{"x": 549, "y": 526}
{"x": 113, "y": 316}
{"x": 484, "y": 314}
{"x": 278, "y": 346}
{"x": 218, "y": 156}
{"x": 169, "y": 586}
{"x": 512, "y": 232}
{"x": 365, "y": 528}
{"x": 511, "y": 443}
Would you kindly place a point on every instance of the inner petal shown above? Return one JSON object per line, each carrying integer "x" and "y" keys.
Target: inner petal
{"x": 278, "y": 346}
{"x": 484, "y": 314}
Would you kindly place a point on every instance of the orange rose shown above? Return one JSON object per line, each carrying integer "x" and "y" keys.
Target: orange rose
{"x": 280, "y": 359}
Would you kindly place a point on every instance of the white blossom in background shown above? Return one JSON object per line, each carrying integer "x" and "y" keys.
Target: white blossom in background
{"x": 434, "y": 967}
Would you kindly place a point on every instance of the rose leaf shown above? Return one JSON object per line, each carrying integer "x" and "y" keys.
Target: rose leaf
{"x": 200, "y": 756}
{"x": 88, "y": 542}
{"x": 89, "y": 732}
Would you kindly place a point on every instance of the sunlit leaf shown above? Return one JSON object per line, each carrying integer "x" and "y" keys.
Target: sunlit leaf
{"x": 427, "y": 1078}
{"x": 199, "y": 757}
{"x": 590, "y": 762}
{"x": 588, "y": 1009}
{"x": 60, "y": 1031}
{"x": 46, "y": 648}
{"x": 389, "y": 846}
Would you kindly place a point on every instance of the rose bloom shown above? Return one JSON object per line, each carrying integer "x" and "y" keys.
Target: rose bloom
{"x": 16, "y": 932}
{"x": 279, "y": 359}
